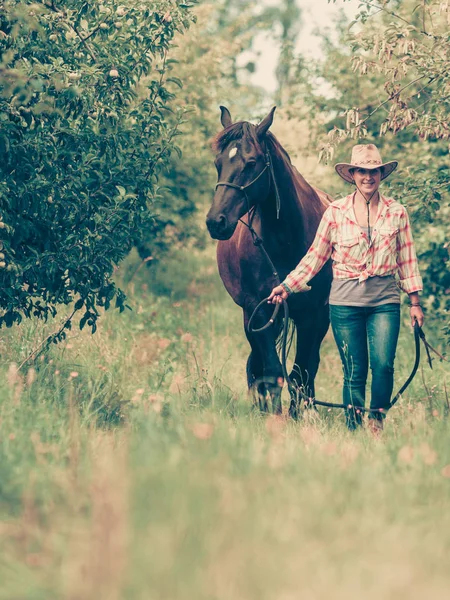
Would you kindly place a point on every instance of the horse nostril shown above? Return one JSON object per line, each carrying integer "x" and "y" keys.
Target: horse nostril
{"x": 217, "y": 226}
{"x": 221, "y": 222}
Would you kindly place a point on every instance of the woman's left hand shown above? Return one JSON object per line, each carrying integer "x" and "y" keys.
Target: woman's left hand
{"x": 416, "y": 314}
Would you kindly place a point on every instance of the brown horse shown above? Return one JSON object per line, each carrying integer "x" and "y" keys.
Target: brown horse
{"x": 257, "y": 181}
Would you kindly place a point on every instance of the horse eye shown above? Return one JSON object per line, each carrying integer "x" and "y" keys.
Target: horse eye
{"x": 251, "y": 163}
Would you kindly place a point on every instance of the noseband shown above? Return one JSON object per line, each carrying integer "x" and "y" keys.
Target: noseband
{"x": 244, "y": 188}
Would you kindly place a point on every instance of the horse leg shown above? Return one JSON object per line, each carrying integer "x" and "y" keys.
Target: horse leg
{"x": 311, "y": 329}
{"x": 254, "y": 372}
{"x": 266, "y": 368}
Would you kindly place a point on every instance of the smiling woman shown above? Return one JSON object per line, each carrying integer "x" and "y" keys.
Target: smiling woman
{"x": 368, "y": 238}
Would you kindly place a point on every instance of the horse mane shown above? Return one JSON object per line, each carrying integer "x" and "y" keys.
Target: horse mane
{"x": 305, "y": 201}
{"x": 234, "y": 133}
{"x": 306, "y": 195}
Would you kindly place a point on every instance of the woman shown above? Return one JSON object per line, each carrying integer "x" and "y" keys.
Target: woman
{"x": 368, "y": 237}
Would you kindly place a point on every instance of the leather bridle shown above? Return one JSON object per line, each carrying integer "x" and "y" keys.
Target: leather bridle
{"x": 244, "y": 188}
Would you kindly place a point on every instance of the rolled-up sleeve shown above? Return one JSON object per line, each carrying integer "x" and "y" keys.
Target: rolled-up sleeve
{"x": 408, "y": 267}
{"x": 317, "y": 255}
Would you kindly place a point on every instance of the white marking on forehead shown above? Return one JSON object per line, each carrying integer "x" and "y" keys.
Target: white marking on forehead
{"x": 232, "y": 152}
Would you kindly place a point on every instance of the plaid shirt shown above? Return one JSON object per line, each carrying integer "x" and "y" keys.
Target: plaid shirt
{"x": 339, "y": 237}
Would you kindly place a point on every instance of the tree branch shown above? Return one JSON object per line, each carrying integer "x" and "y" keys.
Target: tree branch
{"x": 393, "y": 14}
{"x": 55, "y": 9}
{"x": 391, "y": 97}
{"x": 44, "y": 344}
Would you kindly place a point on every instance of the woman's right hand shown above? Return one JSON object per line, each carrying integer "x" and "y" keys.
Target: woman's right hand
{"x": 277, "y": 295}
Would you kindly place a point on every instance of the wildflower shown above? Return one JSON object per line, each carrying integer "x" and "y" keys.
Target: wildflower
{"x": 163, "y": 343}
{"x": 31, "y": 376}
{"x": 275, "y": 425}
{"x": 429, "y": 456}
{"x": 13, "y": 376}
{"x": 406, "y": 455}
{"x": 202, "y": 431}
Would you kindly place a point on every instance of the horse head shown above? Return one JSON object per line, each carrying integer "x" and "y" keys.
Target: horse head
{"x": 243, "y": 173}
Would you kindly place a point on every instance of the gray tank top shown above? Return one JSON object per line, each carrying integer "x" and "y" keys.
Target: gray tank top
{"x": 372, "y": 292}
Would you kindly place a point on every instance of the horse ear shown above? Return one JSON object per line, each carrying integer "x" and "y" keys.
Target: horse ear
{"x": 265, "y": 124}
{"x": 225, "y": 117}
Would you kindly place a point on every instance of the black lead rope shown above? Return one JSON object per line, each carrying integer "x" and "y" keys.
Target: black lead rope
{"x": 297, "y": 392}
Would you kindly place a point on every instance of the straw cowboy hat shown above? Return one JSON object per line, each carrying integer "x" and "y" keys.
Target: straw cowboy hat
{"x": 365, "y": 156}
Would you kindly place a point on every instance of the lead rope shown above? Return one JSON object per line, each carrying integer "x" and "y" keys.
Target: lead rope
{"x": 296, "y": 392}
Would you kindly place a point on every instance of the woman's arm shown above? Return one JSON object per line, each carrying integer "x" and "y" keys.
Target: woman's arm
{"x": 408, "y": 268}
{"x": 317, "y": 255}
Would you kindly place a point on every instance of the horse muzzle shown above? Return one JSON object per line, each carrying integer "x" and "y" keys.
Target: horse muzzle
{"x": 219, "y": 228}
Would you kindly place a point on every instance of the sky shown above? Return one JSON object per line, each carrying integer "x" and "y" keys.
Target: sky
{"x": 316, "y": 14}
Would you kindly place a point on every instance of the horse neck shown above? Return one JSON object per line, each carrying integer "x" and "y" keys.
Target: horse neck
{"x": 290, "y": 232}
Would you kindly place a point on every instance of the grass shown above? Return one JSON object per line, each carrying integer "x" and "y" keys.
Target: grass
{"x": 132, "y": 466}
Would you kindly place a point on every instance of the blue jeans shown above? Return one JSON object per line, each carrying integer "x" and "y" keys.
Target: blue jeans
{"x": 363, "y": 335}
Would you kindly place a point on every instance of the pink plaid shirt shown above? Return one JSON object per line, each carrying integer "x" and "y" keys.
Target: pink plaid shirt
{"x": 339, "y": 237}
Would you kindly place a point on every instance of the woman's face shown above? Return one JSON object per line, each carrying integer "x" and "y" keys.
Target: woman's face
{"x": 367, "y": 180}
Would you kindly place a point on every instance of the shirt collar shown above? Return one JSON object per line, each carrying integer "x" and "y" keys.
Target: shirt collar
{"x": 347, "y": 206}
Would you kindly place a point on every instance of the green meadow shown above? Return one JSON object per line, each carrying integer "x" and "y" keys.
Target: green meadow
{"x": 133, "y": 465}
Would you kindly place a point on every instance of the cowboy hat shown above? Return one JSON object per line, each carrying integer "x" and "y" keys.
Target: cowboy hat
{"x": 365, "y": 156}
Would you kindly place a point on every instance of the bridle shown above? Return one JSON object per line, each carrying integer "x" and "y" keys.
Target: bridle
{"x": 244, "y": 188}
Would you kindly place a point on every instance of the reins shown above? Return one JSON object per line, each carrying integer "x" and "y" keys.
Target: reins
{"x": 297, "y": 392}
{"x": 294, "y": 389}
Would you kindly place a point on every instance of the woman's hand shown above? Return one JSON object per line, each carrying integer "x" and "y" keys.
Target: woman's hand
{"x": 416, "y": 314}
{"x": 277, "y": 295}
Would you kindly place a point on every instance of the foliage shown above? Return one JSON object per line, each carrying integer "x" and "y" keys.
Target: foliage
{"x": 82, "y": 141}
{"x": 390, "y": 81}
{"x": 408, "y": 47}
{"x": 206, "y": 61}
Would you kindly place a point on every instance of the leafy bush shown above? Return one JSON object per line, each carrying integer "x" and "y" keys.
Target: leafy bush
{"x": 86, "y": 124}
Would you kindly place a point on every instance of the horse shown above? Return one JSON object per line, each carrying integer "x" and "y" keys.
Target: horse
{"x": 259, "y": 189}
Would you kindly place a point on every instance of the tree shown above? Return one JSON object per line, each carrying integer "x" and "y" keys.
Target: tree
{"x": 206, "y": 62}
{"x": 81, "y": 145}
{"x": 391, "y": 84}
{"x": 289, "y": 18}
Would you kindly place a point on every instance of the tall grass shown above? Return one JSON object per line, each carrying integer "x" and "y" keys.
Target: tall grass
{"x": 133, "y": 465}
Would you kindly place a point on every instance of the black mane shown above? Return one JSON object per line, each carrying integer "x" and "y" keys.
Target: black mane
{"x": 233, "y": 133}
